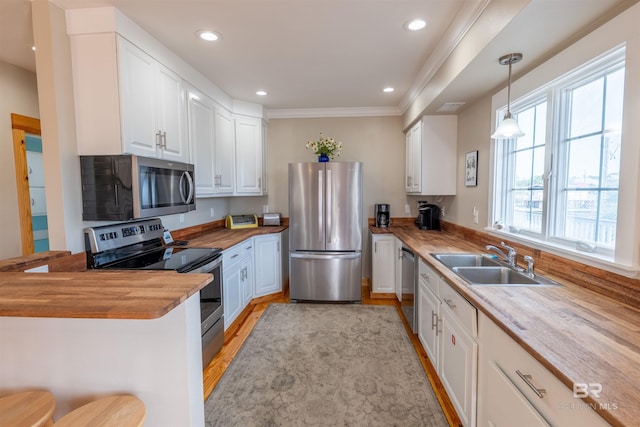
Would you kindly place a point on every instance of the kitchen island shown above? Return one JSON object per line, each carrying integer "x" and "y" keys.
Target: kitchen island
{"x": 579, "y": 335}
{"x": 85, "y": 335}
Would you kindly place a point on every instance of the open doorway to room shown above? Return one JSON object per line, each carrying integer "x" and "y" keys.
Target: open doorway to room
{"x": 27, "y": 152}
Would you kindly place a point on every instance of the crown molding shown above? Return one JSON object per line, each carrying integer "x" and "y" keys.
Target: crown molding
{"x": 333, "y": 112}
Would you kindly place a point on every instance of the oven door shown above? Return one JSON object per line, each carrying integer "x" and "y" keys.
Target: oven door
{"x": 211, "y": 310}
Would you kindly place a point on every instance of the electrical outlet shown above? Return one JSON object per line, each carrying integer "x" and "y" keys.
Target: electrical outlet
{"x": 407, "y": 209}
{"x": 265, "y": 208}
{"x": 212, "y": 212}
{"x": 181, "y": 218}
{"x": 475, "y": 215}
{"x": 442, "y": 211}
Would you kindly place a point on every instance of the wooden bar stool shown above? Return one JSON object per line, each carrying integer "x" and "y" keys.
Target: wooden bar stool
{"x": 113, "y": 411}
{"x": 27, "y": 409}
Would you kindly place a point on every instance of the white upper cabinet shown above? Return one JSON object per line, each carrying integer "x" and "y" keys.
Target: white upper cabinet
{"x": 249, "y": 160}
{"x": 126, "y": 101}
{"x": 153, "y": 106}
{"x": 201, "y": 114}
{"x": 224, "y": 153}
{"x": 431, "y": 156}
{"x": 212, "y": 145}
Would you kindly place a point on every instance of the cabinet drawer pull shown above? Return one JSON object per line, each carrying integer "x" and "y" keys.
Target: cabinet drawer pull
{"x": 234, "y": 256}
{"x": 527, "y": 379}
{"x": 424, "y": 276}
{"x": 434, "y": 321}
{"x": 450, "y": 303}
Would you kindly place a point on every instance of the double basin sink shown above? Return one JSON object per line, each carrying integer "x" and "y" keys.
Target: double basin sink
{"x": 477, "y": 269}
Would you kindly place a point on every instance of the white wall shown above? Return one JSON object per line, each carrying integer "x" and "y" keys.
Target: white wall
{"x": 19, "y": 94}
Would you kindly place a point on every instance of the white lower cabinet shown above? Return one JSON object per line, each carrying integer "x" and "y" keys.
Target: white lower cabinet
{"x": 515, "y": 389}
{"x": 237, "y": 280}
{"x": 383, "y": 263}
{"x": 447, "y": 327}
{"x": 250, "y": 269}
{"x": 268, "y": 264}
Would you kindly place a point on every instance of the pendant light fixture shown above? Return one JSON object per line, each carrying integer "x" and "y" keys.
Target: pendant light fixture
{"x": 509, "y": 127}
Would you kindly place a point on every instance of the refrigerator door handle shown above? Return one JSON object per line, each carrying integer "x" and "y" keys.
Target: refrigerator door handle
{"x": 320, "y": 203}
{"x": 326, "y": 255}
{"x": 329, "y": 207}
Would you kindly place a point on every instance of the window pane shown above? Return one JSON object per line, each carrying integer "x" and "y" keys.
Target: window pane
{"x": 584, "y": 163}
{"x": 590, "y": 220}
{"x": 526, "y": 122}
{"x": 615, "y": 96}
{"x": 586, "y": 108}
{"x": 611, "y": 161}
{"x": 541, "y": 124}
{"x": 527, "y": 210}
{"x": 523, "y": 169}
{"x": 537, "y": 179}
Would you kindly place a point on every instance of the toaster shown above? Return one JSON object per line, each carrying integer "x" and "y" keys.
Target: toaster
{"x": 271, "y": 219}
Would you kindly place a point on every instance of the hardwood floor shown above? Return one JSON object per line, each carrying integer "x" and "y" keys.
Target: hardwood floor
{"x": 238, "y": 332}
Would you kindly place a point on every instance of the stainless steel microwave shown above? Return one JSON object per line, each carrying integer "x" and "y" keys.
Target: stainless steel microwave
{"x": 124, "y": 187}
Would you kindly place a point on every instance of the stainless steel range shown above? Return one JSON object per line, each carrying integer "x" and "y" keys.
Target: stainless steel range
{"x": 137, "y": 245}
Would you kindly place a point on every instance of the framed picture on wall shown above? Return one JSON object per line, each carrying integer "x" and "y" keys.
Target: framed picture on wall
{"x": 471, "y": 169}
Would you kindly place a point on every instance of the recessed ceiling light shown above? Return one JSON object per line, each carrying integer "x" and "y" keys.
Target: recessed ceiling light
{"x": 261, "y": 93}
{"x": 415, "y": 24}
{"x": 388, "y": 89}
{"x": 208, "y": 35}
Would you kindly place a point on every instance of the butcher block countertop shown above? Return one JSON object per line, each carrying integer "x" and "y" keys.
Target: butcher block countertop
{"x": 225, "y": 238}
{"x": 577, "y": 334}
{"x": 97, "y": 294}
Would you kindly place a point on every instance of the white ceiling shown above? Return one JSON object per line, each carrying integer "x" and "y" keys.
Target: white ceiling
{"x": 316, "y": 54}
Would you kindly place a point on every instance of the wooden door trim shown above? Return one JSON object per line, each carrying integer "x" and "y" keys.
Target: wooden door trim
{"x": 21, "y": 125}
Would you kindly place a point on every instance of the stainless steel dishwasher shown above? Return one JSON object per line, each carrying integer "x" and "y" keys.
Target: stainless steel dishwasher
{"x": 409, "y": 288}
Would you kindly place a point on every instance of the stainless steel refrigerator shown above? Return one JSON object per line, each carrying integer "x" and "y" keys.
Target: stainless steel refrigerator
{"x": 325, "y": 231}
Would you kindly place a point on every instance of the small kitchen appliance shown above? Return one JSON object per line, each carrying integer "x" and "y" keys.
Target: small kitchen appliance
{"x": 234, "y": 222}
{"x": 428, "y": 216}
{"x": 137, "y": 245}
{"x": 271, "y": 219}
{"x": 383, "y": 215}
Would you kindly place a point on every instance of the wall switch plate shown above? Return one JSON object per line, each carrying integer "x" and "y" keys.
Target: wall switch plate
{"x": 211, "y": 212}
{"x": 407, "y": 209}
{"x": 265, "y": 208}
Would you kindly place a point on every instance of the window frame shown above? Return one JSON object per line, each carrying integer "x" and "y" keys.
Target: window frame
{"x": 555, "y": 93}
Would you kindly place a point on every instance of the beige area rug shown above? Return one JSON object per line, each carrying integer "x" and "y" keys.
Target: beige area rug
{"x": 325, "y": 365}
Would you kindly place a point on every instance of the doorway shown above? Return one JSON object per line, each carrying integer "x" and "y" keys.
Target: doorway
{"x": 27, "y": 152}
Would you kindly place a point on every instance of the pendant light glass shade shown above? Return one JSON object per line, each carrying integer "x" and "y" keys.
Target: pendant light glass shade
{"x": 508, "y": 127}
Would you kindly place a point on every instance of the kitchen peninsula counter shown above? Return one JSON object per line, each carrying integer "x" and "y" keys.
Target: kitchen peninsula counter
{"x": 97, "y": 294}
{"x": 579, "y": 335}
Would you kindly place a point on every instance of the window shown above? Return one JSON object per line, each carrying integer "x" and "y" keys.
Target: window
{"x": 559, "y": 183}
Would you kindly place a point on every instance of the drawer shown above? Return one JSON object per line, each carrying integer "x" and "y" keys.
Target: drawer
{"x": 237, "y": 252}
{"x": 429, "y": 277}
{"x": 462, "y": 309}
{"x": 541, "y": 388}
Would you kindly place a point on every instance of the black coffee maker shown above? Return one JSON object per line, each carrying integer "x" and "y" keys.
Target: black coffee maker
{"x": 428, "y": 216}
{"x": 383, "y": 214}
